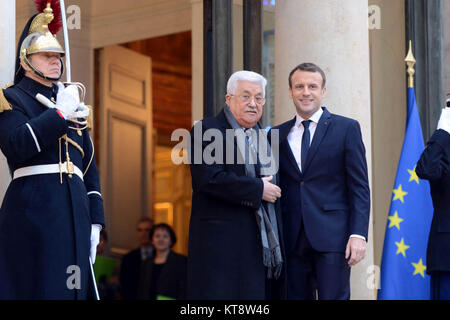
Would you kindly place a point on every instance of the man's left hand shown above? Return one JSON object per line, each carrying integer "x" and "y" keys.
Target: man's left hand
{"x": 356, "y": 250}
{"x": 95, "y": 240}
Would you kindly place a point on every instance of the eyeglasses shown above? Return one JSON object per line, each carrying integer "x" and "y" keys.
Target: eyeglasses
{"x": 245, "y": 98}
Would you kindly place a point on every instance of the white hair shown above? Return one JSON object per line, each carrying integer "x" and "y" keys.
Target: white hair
{"x": 245, "y": 76}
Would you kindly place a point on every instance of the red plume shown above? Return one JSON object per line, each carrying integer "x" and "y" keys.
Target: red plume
{"x": 56, "y": 24}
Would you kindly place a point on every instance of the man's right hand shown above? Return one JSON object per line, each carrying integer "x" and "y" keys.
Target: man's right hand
{"x": 67, "y": 99}
{"x": 271, "y": 191}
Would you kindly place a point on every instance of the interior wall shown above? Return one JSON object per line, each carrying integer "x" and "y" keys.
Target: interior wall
{"x": 171, "y": 81}
{"x": 388, "y": 100}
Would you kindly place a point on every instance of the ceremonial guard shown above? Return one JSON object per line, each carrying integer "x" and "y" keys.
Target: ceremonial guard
{"x": 52, "y": 212}
{"x": 434, "y": 166}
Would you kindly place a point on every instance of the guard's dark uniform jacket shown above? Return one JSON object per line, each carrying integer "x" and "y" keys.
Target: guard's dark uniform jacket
{"x": 434, "y": 165}
{"x": 45, "y": 225}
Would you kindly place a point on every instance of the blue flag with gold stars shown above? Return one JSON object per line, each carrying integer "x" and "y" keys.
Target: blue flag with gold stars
{"x": 403, "y": 264}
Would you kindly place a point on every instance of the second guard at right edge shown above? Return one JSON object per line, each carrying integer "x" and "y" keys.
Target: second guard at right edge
{"x": 434, "y": 166}
{"x": 52, "y": 211}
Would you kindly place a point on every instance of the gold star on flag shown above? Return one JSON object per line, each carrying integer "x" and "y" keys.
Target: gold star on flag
{"x": 401, "y": 247}
{"x": 395, "y": 220}
{"x": 419, "y": 268}
{"x": 399, "y": 194}
{"x": 413, "y": 175}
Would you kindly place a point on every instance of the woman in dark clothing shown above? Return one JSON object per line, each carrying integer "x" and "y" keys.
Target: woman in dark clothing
{"x": 164, "y": 275}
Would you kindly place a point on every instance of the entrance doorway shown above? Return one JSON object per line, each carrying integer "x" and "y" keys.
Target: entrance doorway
{"x": 133, "y": 142}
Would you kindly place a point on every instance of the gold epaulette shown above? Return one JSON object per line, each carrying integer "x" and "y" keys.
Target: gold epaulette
{"x": 4, "y": 104}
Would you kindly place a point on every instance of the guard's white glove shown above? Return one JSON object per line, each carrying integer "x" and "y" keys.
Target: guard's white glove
{"x": 444, "y": 120}
{"x": 67, "y": 99}
{"x": 82, "y": 111}
{"x": 95, "y": 240}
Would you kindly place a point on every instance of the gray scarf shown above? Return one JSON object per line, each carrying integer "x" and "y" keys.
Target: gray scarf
{"x": 266, "y": 219}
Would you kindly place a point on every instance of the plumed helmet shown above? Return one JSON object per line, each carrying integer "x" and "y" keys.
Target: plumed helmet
{"x": 40, "y": 39}
{"x": 39, "y": 35}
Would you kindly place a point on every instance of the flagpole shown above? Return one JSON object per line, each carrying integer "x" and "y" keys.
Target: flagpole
{"x": 66, "y": 41}
{"x": 410, "y": 62}
{"x": 69, "y": 79}
{"x": 403, "y": 268}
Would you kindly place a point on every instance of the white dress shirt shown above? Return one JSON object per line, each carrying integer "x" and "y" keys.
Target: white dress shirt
{"x": 146, "y": 253}
{"x": 295, "y": 135}
{"x": 295, "y": 141}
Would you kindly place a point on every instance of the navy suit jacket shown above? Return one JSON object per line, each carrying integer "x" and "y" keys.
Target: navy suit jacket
{"x": 331, "y": 197}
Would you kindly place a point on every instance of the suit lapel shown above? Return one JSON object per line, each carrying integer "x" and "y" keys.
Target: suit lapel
{"x": 286, "y": 148}
{"x": 321, "y": 130}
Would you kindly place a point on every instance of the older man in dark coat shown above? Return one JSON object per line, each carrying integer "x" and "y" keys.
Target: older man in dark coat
{"x": 434, "y": 165}
{"x": 235, "y": 230}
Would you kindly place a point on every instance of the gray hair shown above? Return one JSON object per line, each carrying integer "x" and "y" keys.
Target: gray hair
{"x": 244, "y": 75}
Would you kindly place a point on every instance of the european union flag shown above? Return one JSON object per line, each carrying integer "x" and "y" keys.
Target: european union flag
{"x": 403, "y": 265}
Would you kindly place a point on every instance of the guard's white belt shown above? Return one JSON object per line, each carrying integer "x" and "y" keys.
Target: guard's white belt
{"x": 44, "y": 169}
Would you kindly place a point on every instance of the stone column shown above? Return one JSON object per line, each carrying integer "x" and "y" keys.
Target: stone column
{"x": 197, "y": 60}
{"x": 389, "y": 106}
{"x": 252, "y": 35}
{"x": 424, "y": 22}
{"x": 7, "y": 62}
{"x": 218, "y": 53}
{"x": 446, "y": 48}
{"x": 334, "y": 35}
{"x": 8, "y": 41}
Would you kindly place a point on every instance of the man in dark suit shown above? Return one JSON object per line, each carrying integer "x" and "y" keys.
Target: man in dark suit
{"x": 234, "y": 236}
{"x": 326, "y": 198}
{"x": 131, "y": 263}
{"x": 434, "y": 165}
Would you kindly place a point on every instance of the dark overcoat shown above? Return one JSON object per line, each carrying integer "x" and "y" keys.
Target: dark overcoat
{"x": 45, "y": 225}
{"x": 434, "y": 166}
{"x": 225, "y": 251}
{"x": 129, "y": 274}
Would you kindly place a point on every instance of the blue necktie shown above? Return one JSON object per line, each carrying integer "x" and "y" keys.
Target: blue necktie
{"x": 305, "y": 142}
